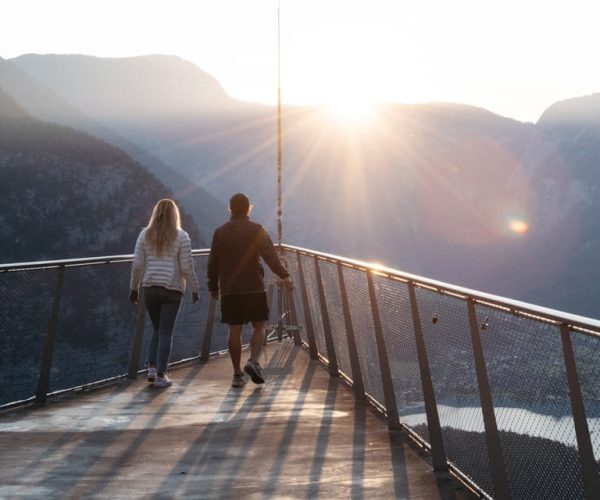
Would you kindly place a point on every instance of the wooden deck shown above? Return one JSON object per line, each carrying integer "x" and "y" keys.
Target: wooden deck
{"x": 300, "y": 435}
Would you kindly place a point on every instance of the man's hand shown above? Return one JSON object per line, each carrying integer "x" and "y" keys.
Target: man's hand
{"x": 194, "y": 297}
{"x": 289, "y": 284}
{"x": 214, "y": 294}
{"x": 133, "y": 296}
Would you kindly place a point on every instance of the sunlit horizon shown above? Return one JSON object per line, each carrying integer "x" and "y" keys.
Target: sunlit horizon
{"x": 502, "y": 56}
{"x": 348, "y": 110}
{"x": 348, "y": 60}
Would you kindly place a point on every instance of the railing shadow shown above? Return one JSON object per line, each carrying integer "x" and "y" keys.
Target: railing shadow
{"x": 358, "y": 451}
{"x": 65, "y": 438}
{"x": 104, "y": 479}
{"x": 287, "y": 438}
{"x": 106, "y": 438}
{"x": 217, "y": 440}
{"x": 320, "y": 454}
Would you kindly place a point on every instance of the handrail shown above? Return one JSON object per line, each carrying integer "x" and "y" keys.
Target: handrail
{"x": 588, "y": 325}
{"x": 50, "y": 264}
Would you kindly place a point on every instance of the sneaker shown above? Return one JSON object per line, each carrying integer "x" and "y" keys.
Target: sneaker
{"x": 162, "y": 381}
{"x": 151, "y": 374}
{"x": 252, "y": 368}
{"x": 238, "y": 380}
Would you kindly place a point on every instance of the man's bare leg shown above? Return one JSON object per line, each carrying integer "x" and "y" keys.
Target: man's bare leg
{"x": 235, "y": 347}
{"x": 258, "y": 339}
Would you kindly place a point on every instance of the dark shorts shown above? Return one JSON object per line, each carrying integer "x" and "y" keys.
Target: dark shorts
{"x": 239, "y": 308}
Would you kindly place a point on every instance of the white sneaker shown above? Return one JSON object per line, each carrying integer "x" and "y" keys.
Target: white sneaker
{"x": 238, "y": 380}
{"x": 162, "y": 381}
{"x": 151, "y": 374}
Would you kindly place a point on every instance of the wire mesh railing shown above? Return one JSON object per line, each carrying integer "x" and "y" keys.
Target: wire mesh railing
{"x": 503, "y": 394}
{"x": 69, "y": 324}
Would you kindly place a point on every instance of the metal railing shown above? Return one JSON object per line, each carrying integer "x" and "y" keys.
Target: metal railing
{"x": 503, "y": 394}
{"x": 68, "y": 324}
{"x": 506, "y": 395}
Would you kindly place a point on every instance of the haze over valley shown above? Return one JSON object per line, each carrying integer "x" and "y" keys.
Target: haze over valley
{"x": 448, "y": 191}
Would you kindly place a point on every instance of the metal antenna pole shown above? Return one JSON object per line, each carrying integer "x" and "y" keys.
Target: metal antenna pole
{"x": 279, "y": 160}
{"x": 279, "y": 169}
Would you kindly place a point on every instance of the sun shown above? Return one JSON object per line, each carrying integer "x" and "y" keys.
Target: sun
{"x": 348, "y": 109}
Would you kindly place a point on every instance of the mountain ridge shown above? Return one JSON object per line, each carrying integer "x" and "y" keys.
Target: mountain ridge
{"x": 446, "y": 190}
{"x": 578, "y": 111}
{"x": 66, "y": 194}
{"x": 186, "y": 88}
{"x": 45, "y": 104}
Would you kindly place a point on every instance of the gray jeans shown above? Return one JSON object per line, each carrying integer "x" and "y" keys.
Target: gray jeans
{"x": 162, "y": 306}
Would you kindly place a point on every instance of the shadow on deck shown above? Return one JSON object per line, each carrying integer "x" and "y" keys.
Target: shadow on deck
{"x": 301, "y": 435}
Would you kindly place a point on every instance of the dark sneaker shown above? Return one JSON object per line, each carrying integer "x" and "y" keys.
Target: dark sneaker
{"x": 238, "y": 380}
{"x": 252, "y": 368}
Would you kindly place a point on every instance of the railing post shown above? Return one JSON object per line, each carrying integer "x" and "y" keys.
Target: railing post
{"x": 280, "y": 309}
{"x": 357, "y": 381}
{"x": 270, "y": 289}
{"x": 438, "y": 452}
{"x": 291, "y": 322}
{"x": 499, "y": 476}
{"x": 138, "y": 336}
{"x": 294, "y": 318}
{"x": 386, "y": 373}
{"x": 332, "y": 358}
{"x": 591, "y": 482}
{"x": 310, "y": 333}
{"x": 210, "y": 320}
{"x": 48, "y": 352}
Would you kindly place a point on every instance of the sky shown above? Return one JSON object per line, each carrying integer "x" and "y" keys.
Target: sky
{"x": 512, "y": 57}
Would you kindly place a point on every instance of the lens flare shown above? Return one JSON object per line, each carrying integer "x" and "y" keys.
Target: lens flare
{"x": 518, "y": 226}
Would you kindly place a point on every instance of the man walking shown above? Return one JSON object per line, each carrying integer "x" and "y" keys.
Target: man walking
{"x": 234, "y": 269}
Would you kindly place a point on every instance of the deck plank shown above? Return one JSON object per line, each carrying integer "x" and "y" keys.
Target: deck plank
{"x": 300, "y": 435}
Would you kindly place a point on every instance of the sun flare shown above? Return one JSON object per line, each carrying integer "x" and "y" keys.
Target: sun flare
{"x": 349, "y": 110}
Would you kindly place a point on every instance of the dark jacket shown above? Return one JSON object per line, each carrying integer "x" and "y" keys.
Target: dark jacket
{"x": 233, "y": 262}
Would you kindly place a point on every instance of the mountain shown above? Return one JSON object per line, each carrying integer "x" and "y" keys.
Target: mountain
{"x": 571, "y": 195}
{"x": 130, "y": 88}
{"x": 45, "y": 104}
{"x": 575, "y": 112}
{"x": 9, "y": 109}
{"x": 445, "y": 190}
{"x": 134, "y": 96}
{"x": 66, "y": 194}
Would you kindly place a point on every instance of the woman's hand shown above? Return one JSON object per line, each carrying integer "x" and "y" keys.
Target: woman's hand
{"x": 133, "y": 297}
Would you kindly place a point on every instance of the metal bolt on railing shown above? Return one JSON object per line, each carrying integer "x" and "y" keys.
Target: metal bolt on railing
{"x": 485, "y": 324}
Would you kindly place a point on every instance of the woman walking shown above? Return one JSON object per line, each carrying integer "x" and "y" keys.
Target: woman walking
{"x": 162, "y": 263}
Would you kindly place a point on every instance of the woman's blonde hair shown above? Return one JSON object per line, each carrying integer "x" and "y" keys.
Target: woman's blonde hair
{"x": 163, "y": 225}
